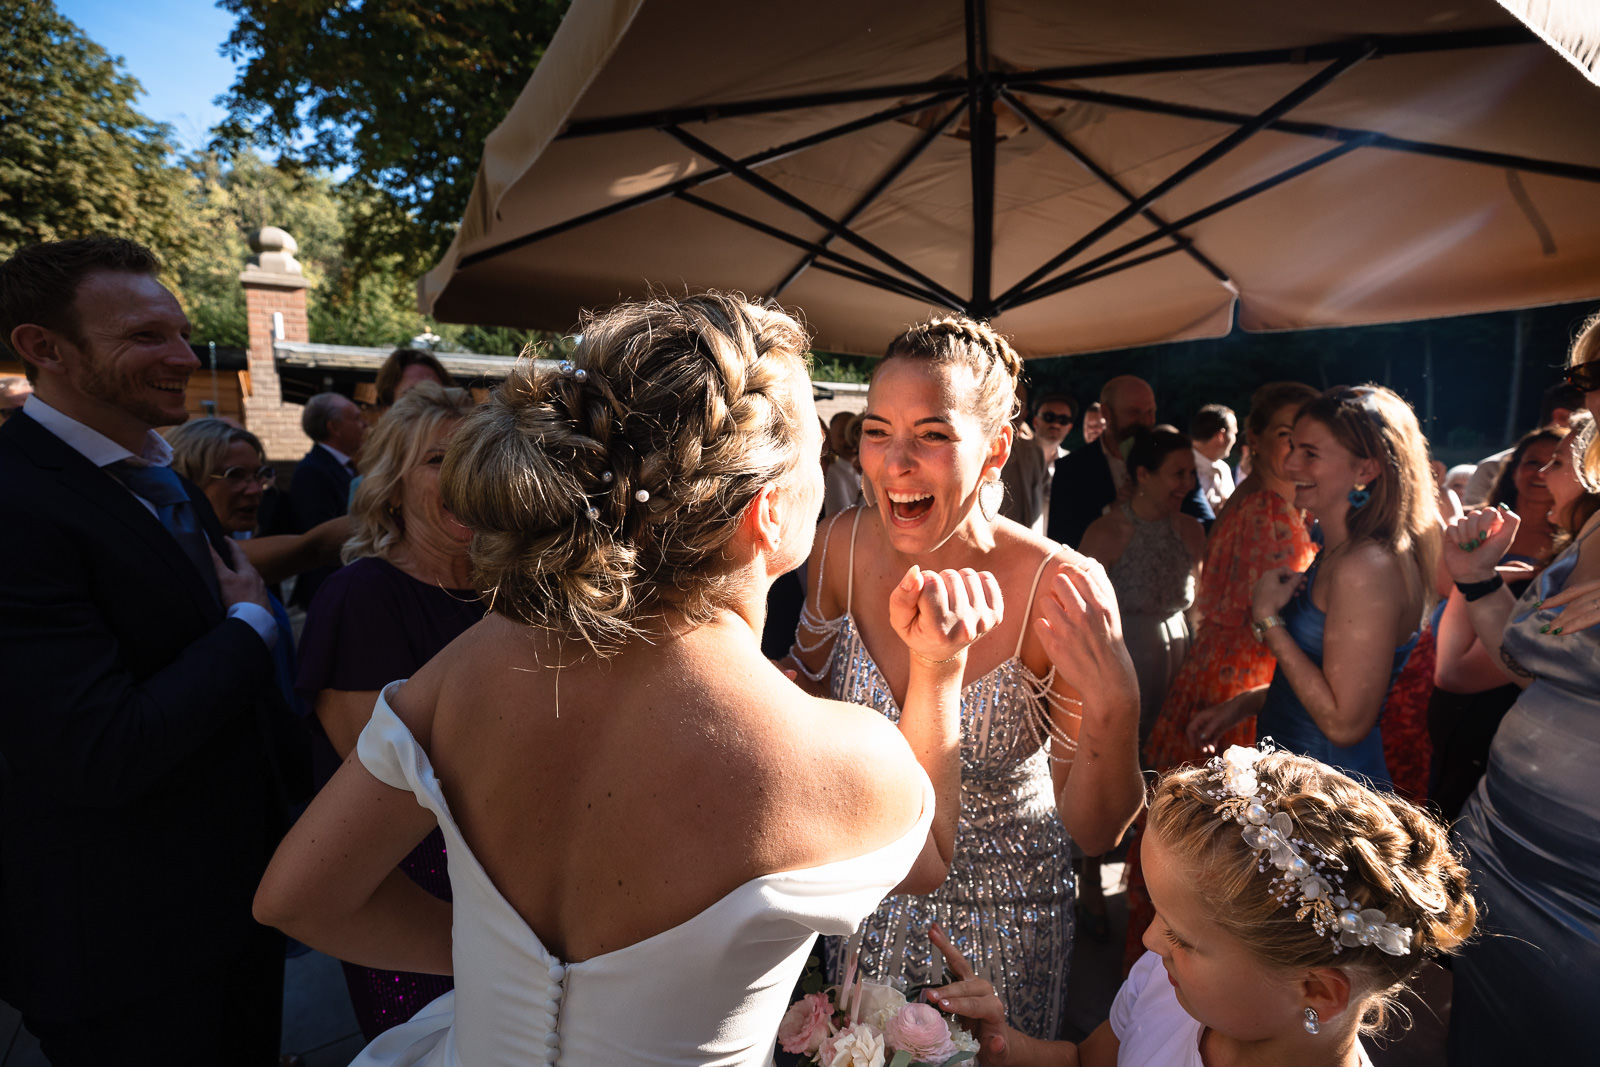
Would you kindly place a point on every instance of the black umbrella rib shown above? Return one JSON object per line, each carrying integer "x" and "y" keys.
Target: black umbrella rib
{"x": 1291, "y": 100}
{"x": 889, "y": 177}
{"x": 1371, "y": 138}
{"x": 980, "y": 116}
{"x": 1329, "y": 51}
{"x": 678, "y": 116}
{"x": 1108, "y": 179}
{"x": 864, "y": 272}
{"x": 794, "y": 203}
{"x": 674, "y": 188}
{"x": 1091, "y": 270}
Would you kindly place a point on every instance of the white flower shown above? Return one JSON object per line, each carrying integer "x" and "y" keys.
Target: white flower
{"x": 963, "y": 1041}
{"x": 879, "y": 1003}
{"x": 855, "y": 1046}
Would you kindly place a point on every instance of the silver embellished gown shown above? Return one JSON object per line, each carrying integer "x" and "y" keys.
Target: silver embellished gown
{"x": 1007, "y": 903}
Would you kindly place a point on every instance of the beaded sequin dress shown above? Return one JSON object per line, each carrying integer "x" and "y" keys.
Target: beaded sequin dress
{"x": 1007, "y": 903}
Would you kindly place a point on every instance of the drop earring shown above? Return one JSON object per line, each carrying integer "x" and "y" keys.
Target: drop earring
{"x": 1358, "y": 496}
{"x": 1312, "y": 1026}
{"x": 868, "y": 497}
{"x": 990, "y": 495}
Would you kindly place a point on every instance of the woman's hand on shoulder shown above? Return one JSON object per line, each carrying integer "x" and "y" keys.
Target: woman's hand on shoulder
{"x": 1080, "y": 628}
{"x": 1474, "y": 543}
{"x": 938, "y": 614}
{"x": 1582, "y": 601}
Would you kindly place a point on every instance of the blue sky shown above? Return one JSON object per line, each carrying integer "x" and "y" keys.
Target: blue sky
{"x": 171, "y": 47}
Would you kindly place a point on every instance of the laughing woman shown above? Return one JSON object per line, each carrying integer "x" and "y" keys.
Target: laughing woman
{"x": 1037, "y": 764}
{"x": 1342, "y": 630}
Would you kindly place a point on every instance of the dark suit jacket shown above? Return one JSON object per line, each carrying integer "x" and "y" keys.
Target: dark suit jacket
{"x": 1082, "y": 489}
{"x": 319, "y": 491}
{"x": 144, "y": 737}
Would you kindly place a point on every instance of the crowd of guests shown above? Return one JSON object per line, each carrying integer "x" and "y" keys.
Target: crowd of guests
{"x": 559, "y": 776}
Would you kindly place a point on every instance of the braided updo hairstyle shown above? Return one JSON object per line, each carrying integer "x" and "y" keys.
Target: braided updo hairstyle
{"x": 1399, "y": 860}
{"x": 956, "y": 340}
{"x": 602, "y": 494}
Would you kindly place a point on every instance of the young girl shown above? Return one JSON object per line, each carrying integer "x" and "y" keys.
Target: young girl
{"x": 1292, "y": 904}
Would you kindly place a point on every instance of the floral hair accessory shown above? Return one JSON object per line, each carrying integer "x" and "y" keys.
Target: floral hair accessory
{"x": 1306, "y": 879}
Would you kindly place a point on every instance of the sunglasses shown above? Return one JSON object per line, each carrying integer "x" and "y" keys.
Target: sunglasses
{"x": 237, "y": 477}
{"x": 1050, "y": 418}
{"x": 1585, "y": 376}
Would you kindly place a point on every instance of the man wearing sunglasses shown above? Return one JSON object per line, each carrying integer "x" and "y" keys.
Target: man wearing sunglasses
{"x": 147, "y": 746}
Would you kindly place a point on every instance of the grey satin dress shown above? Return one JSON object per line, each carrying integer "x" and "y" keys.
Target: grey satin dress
{"x": 1526, "y": 989}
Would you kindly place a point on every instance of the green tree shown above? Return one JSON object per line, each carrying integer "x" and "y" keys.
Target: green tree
{"x": 76, "y": 158}
{"x": 401, "y": 94}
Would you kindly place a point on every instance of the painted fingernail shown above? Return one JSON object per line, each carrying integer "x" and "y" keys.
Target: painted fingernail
{"x": 1465, "y": 546}
{"x": 1556, "y": 630}
{"x": 1537, "y": 604}
{"x": 1545, "y": 628}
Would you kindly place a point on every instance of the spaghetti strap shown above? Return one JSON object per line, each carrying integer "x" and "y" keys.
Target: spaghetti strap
{"x": 1032, "y": 591}
{"x": 850, "y": 568}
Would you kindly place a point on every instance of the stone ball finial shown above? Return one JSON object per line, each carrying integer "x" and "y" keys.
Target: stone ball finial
{"x": 275, "y": 251}
{"x": 272, "y": 239}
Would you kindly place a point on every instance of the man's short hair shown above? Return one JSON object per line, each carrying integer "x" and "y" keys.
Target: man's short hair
{"x": 39, "y": 282}
{"x": 1210, "y": 421}
{"x": 1058, "y": 398}
{"x": 1562, "y": 395}
{"x": 319, "y": 413}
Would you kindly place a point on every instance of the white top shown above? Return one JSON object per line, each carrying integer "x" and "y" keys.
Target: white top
{"x": 1216, "y": 479}
{"x": 1152, "y": 1026}
{"x": 711, "y": 990}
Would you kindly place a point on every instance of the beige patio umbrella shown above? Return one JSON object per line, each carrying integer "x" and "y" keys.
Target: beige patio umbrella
{"x": 1090, "y": 175}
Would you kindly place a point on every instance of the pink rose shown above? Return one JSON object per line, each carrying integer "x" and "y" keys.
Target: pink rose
{"x": 920, "y": 1030}
{"x": 805, "y": 1024}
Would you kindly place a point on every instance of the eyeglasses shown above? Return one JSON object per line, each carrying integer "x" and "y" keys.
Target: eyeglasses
{"x": 238, "y": 477}
{"x": 1050, "y": 418}
{"x": 1585, "y": 376}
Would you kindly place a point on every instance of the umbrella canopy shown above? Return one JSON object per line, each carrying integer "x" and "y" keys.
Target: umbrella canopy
{"x": 1088, "y": 175}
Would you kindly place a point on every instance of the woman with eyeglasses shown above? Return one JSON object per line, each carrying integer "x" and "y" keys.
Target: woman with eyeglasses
{"x": 1524, "y": 992}
{"x": 229, "y": 466}
{"x": 1342, "y": 630}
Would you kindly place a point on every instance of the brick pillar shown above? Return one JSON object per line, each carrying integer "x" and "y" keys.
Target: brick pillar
{"x": 273, "y": 284}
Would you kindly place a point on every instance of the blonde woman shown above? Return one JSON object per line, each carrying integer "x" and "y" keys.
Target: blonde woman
{"x": 647, "y": 822}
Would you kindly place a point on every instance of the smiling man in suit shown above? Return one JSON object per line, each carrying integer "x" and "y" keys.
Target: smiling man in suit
{"x": 148, "y": 748}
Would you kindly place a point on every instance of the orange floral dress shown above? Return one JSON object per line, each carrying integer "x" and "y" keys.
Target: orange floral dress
{"x": 1254, "y": 535}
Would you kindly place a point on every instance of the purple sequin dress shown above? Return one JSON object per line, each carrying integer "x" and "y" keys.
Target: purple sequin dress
{"x": 371, "y": 624}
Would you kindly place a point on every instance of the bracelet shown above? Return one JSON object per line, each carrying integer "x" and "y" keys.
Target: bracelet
{"x": 937, "y": 662}
{"x": 1259, "y": 627}
{"x": 1471, "y": 591}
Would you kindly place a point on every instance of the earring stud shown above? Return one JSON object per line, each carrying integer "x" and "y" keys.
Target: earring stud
{"x": 1312, "y": 1025}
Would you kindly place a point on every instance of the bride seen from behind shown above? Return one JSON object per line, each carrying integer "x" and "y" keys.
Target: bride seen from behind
{"x": 647, "y": 822}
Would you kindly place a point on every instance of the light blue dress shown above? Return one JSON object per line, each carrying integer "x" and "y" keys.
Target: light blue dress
{"x": 1285, "y": 719}
{"x": 1526, "y": 988}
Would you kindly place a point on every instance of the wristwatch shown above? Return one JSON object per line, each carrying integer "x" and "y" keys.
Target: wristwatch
{"x": 1259, "y": 627}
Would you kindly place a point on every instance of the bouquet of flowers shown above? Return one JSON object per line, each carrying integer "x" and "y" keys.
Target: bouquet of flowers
{"x": 864, "y": 1024}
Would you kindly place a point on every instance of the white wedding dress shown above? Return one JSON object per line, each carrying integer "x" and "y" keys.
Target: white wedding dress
{"x": 711, "y": 990}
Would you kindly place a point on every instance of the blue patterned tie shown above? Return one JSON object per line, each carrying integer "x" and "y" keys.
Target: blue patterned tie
{"x": 160, "y": 486}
